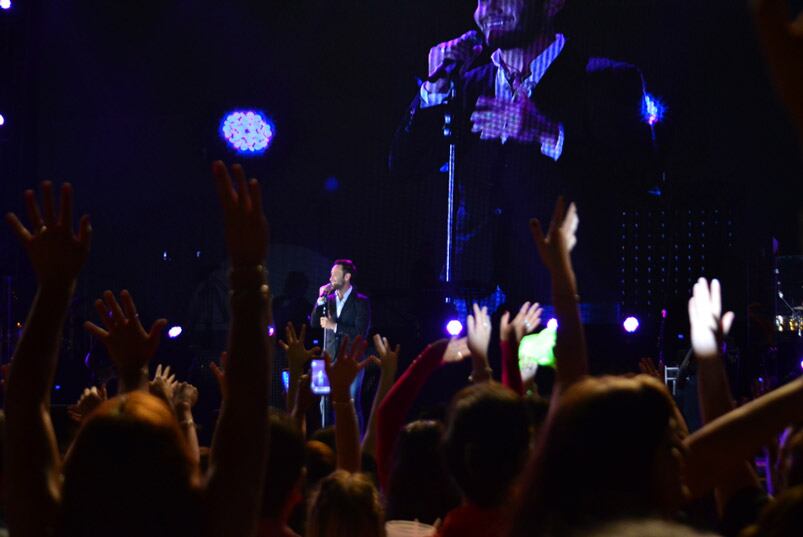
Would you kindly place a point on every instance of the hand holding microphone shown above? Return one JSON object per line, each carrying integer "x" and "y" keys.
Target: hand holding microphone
{"x": 325, "y": 290}
{"x": 451, "y": 56}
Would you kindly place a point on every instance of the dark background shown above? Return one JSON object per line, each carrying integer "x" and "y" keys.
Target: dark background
{"x": 124, "y": 100}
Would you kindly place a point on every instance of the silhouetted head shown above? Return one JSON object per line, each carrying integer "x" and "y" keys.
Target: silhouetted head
{"x": 612, "y": 449}
{"x": 130, "y": 472}
{"x": 345, "y": 505}
{"x": 486, "y": 442}
{"x": 419, "y": 485}
{"x": 285, "y": 467}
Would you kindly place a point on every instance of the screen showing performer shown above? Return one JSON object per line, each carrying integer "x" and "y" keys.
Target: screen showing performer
{"x": 535, "y": 119}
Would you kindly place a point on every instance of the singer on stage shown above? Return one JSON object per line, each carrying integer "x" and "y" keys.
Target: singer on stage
{"x": 539, "y": 118}
{"x": 341, "y": 311}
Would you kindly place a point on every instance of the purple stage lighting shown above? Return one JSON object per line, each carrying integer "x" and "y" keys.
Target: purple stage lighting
{"x": 5, "y": 4}
{"x": 552, "y": 324}
{"x": 2, "y": 120}
{"x": 271, "y": 330}
{"x": 174, "y": 332}
{"x": 630, "y": 325}
{"x": 454, "y": 327}
{"x": 652, "y": 110}
{"x": 801, "y": 364}
{"x": 249, "y": 132}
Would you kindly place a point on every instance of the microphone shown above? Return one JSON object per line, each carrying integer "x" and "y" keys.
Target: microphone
{"x": 449, "y": 66}
{"x": 328, "y": 288}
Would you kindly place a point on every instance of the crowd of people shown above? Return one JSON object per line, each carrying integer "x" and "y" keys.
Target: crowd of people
{"x": 603, "y": 456}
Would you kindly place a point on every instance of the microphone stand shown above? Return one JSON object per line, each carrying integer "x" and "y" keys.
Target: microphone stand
{"x": 449, "y": 125}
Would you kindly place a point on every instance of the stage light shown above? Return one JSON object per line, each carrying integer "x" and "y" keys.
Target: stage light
{"x": 271, "y": 330}
{"x": 174, "y": 332}
{"x": 454, "y": 327}
{"x": 5, "y": 4}
{"x": 630, "y": 324}
{"x": 652, "y": 110}
{"x": 552, "y": 324}
{"x": 2, "y": 120}
{"x": 801, "y": 364}
{"x": 249, "y": 132}
{"x": 57, "y": 387}
{"x": 331, "y": 184}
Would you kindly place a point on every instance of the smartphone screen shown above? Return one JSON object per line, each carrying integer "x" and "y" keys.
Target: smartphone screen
{"x": 320, "y": 382}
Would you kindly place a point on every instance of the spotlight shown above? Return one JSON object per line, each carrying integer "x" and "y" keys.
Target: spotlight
{"x": 5, "y": 4}
{"x": 174, "y": 332}
{"x": 454, "y": 327}
{"x": 652, "y": 110}
{"x": 801, "y": 364}
{"x": 249, "y": 132}
{"x": 2, "y": 119}
{"x": 630, "y": 325}
{"x": 271, "y": 330}
{"x": 552, "y": 324}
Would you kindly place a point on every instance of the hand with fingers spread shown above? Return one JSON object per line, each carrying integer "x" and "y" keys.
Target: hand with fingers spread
{"x": 708, "y": 325}
{"x": 129, "y": 345}
{"x": 90, "y": 399}
{"x": 344, "y": 370}
{"x": 555, "y": 247}
{"x": 163, "y": 385}
{"x": 388, "y": 356}
{"x": 519, "y": 120}
{"x": 56, "y": 252}
{"x": 245, "y": 223}
{"x": 297, "y": 354}
{"x": 526, "y": 321}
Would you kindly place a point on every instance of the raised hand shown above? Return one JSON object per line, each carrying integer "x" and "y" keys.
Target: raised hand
{"x": 526, "y": 321}
{"x": 388, "y": 357}
{"x": 456, "y": 351}
{"x": 246, "y": 227}
{"x": 555, "y": 247}
{"x": 479, "y": 332}
{"x": 518, "y": 120}
{"x": 185, "y": 394}
{"x": 130, "y": 347}
{"x": 163, "y": 385}
{"x": 219, "y": 371}
{"x": 344, "y": 370}
{"x": 304, "y": 397}
{"x": 90, "y": 399}
{"x": 708, "y": 325}
{"x": 56, "y": 252}
{"x": 297, "y": 354}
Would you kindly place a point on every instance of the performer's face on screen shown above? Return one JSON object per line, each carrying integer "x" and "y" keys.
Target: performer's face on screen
{"x": 509, "y": 24}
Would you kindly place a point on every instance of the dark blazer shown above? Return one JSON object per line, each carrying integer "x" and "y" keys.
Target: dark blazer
{"x": 607, "y": 156}
{"x": 354, "y": 320}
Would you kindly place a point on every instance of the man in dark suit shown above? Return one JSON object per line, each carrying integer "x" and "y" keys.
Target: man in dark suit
{"x": 540, "y": 119}
{"x": 341, "y": 311}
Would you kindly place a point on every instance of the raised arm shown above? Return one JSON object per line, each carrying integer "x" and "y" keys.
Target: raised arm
{"x": 479, "y": 337}
{"x": 708, "y": 330}
{"x": 129, "y": 346}
{"x": 393, "y": 409}
{"x": 341, "y": 374}
{"x": 570, "y": 349}
{"x": 32, "y": 466}
{"x": 511, "y": 332}
{"x": 389, "y": 357}
{"x": 297, "y": 357}
{"x": 239, "y": 447}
